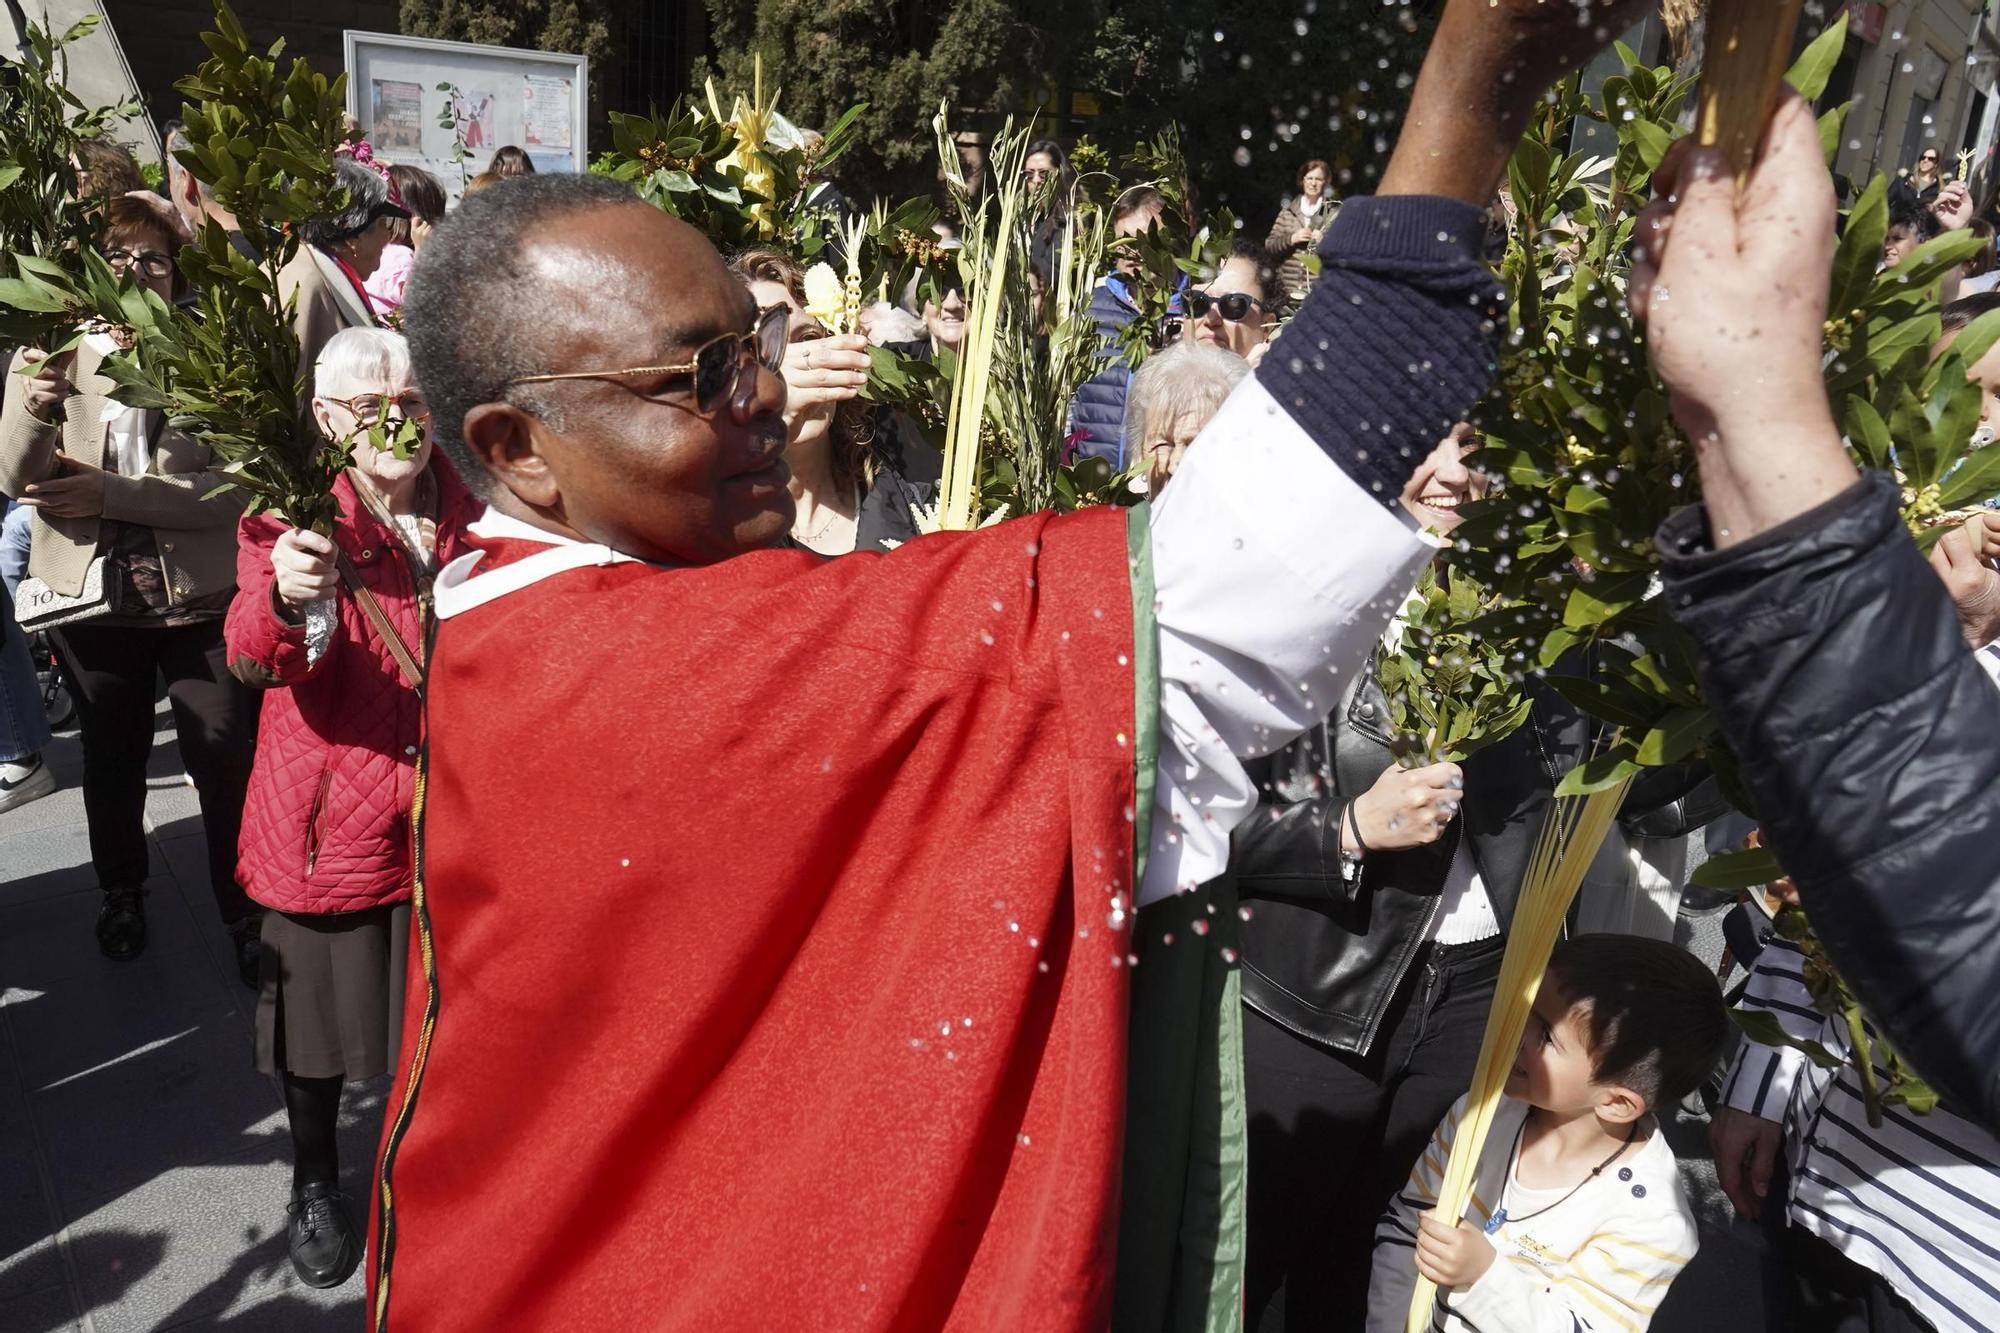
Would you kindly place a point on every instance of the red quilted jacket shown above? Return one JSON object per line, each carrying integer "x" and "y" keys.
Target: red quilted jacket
{"x": 326, "y": 824}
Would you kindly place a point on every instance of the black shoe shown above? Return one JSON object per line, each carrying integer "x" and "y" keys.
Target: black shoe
{"x": 121, "y": 924}
{"x": 246, "y": 942}
{"x": 325, "y": 1250}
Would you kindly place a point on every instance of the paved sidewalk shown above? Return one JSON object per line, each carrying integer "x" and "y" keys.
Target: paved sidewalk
{"x": 144, "y": 1164}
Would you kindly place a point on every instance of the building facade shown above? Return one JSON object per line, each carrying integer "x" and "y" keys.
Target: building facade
{"x": 1920, "y": 75}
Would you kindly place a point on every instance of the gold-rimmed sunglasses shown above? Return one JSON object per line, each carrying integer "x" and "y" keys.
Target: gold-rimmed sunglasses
{"x": 717, "y": 365}
{"x": 370, "y": 408}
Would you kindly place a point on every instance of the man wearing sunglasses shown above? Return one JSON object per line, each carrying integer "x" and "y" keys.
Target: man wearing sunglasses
{"x": 777, "y": 916}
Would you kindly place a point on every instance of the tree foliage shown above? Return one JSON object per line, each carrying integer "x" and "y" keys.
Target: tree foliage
{"x": 1257, "y": 86}
{"x": 579, "y": 27}
{"x": 262, "y": 137}
{"x": 44, "y": 226}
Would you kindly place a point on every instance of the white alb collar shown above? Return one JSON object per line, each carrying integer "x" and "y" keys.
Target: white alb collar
{"x": 459, "y": 588}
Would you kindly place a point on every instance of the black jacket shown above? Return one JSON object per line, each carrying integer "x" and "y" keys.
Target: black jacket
{"x": 1325, "y": 958}
{"x": 1870, "y": 742}
{"x": 887, "y": 517}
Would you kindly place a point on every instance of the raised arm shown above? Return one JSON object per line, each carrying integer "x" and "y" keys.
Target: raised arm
{"x": 1280, "y": 552}
{"x": 1830, "y": 651}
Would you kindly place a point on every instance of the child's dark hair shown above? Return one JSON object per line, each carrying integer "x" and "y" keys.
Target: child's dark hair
{"x": 1968, "y": 308}
{"x": 1653, "y": 1012}
{"x": 1916, "y": 218}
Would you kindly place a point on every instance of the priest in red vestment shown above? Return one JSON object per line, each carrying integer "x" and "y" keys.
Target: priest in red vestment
{"x": 777, "y": 915}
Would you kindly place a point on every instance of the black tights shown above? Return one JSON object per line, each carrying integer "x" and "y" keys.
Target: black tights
{"x": 313, "y": 1106}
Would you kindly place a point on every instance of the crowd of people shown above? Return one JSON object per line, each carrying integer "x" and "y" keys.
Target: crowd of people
{"x": 784, "y": 981}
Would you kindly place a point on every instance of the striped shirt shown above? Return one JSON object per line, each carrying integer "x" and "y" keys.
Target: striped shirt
{"x": 1598, "y": 1261}
{"x": 1916, "y": 1202}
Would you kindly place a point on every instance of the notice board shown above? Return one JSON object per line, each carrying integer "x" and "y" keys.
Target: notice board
{"x": 446, "y": 106}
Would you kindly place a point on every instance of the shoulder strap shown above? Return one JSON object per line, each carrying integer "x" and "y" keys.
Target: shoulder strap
{"x": 364, "y": 597}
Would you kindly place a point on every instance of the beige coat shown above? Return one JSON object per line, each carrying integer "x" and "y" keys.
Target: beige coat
{"x": 1289, "y": 257}
{"x": 195, "y": 533}
{"x": 327, "y": 303}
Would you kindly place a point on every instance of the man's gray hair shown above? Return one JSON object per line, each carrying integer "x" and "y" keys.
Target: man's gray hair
{"x": 1184, "y": 377}
{"x": 363, "y": 359}
{"x": 366, "y": 192}
{"x": 176, "y": 141}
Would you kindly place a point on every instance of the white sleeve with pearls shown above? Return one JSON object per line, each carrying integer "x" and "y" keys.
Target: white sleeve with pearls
{"x": 1274, "y": 575}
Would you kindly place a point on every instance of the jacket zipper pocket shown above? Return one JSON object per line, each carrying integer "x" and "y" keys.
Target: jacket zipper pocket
{"x": 315, "y": 816}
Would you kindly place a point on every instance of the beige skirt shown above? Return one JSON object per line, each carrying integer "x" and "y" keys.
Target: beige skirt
{"x": 331, "y": 1005}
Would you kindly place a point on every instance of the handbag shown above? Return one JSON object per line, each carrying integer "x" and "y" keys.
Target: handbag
{"x": 37, "y": 606}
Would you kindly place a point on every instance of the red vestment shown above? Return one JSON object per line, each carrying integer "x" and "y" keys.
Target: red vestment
{"x": 773, "y": 942}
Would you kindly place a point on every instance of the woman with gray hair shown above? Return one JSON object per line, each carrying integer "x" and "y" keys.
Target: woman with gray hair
{"x": 331, "y": 270}
{"x": 1171, "y": 398}
{"x": 333, "y": 625}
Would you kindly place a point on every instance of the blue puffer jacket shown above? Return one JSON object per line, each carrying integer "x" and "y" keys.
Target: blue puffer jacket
{"x": 1099, "y": 410}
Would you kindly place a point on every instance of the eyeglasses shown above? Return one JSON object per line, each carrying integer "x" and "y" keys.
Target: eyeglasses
{"x": 1233, "y": 305}
{"x": 1928, "y": 157}
{"x": 152, "y": 263}
{"x": 717, "y": 366}
{"x": 370, "y": 409}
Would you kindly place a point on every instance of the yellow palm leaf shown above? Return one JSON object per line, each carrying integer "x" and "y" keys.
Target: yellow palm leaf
{"x": 1569, "y": 842}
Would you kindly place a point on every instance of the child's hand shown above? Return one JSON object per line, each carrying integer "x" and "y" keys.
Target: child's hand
{"x": 1452, "y": 1256}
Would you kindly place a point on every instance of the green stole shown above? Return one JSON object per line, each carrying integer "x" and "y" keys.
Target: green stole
{"x": 1180, "y": 1236}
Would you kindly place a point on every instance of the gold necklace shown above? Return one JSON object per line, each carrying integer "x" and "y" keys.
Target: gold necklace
{"x": 825, "y": 525}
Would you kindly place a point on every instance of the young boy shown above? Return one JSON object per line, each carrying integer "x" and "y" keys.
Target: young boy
{"x": 1577, "y": 1219}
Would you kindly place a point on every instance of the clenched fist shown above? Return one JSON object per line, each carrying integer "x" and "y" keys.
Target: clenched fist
{"x": 302, "y": 568}
{"x": 1452, "y": 1256}
{"x": 1407, "y": 807}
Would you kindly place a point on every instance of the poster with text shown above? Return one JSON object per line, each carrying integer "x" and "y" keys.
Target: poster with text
{"x": 545, "y": 111}
{"x": 397, "y": 123}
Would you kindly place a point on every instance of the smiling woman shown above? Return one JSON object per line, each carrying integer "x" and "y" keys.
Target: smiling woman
{"x": 1445, "y": 480}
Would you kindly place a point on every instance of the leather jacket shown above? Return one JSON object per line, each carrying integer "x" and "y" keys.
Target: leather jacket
{"x": 1324, "y": 957}
{"x": 1834, "y": 662}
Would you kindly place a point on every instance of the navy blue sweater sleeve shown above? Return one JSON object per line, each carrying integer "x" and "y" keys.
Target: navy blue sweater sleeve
{"x": 1396, "y": 341}
{"x": 1870, "y": 741}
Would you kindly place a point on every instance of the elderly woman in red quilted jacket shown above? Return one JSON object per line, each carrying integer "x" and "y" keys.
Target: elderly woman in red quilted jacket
{"x": 334, "y": 626}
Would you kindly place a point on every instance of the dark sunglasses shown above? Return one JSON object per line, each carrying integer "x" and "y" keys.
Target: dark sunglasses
{"x": 717, "y": 366}
{"x": 1233, "y": 305}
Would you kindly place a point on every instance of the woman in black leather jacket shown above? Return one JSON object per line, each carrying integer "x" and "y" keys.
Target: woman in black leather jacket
{"x": 1379, "y": 898}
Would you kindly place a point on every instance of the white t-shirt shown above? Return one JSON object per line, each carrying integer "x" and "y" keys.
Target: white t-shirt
{"x": 1466, "y": 915}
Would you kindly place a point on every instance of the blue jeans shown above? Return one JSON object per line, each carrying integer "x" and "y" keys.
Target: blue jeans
{"x": 24, "y": 726}
{"x": 14, "y": 535}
